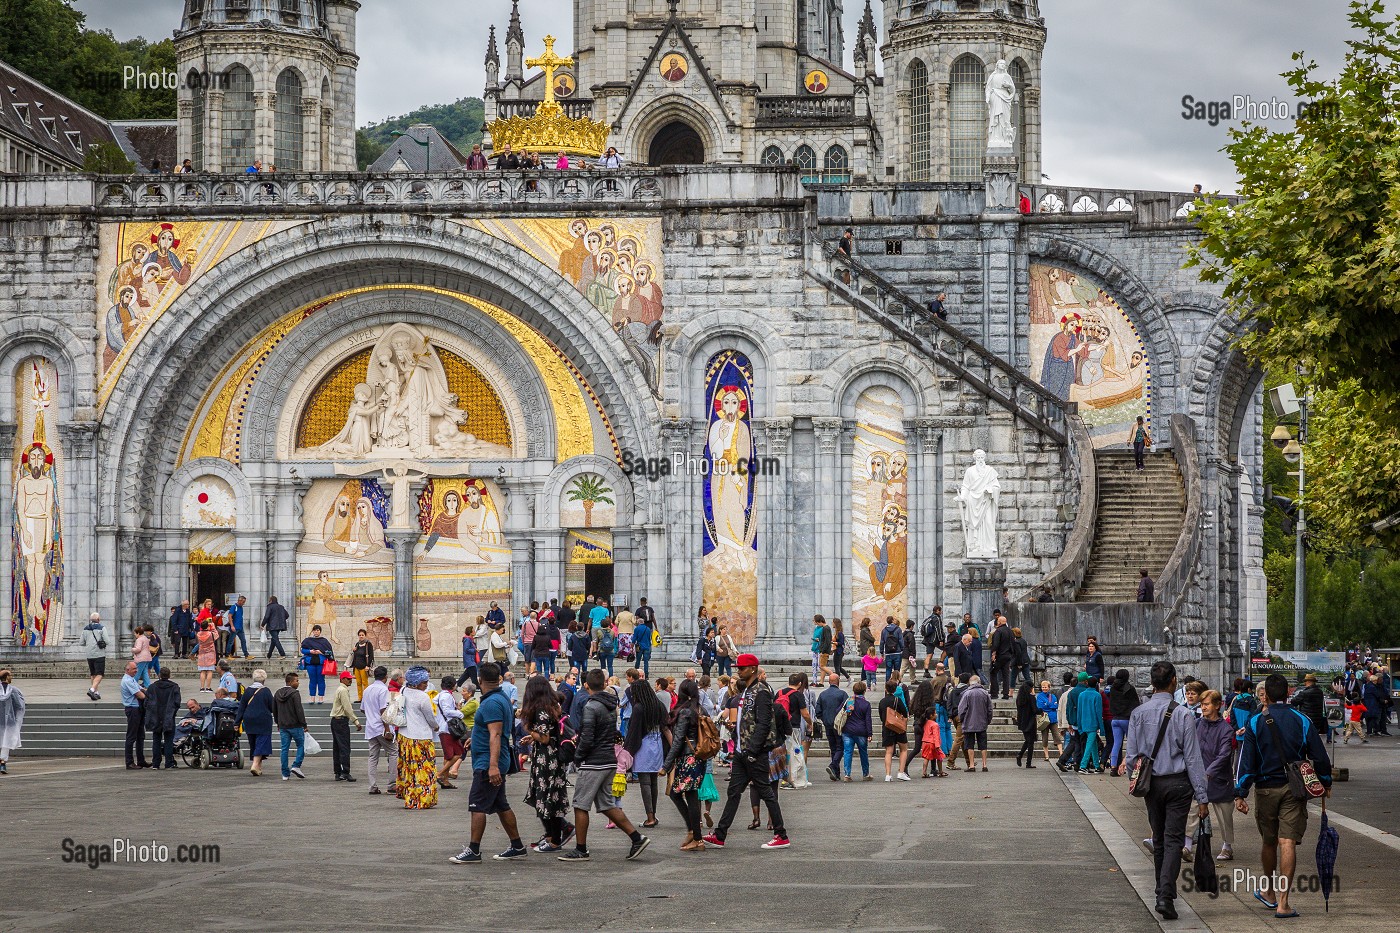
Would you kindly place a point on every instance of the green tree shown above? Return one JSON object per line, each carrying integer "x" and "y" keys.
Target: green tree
{"x": 39, "y": 37}
{"x": 458, "y": 122}
{"x": 1311, "y": 256}
{"x": 366, "y": 150}
{"x": 107, "y": 159}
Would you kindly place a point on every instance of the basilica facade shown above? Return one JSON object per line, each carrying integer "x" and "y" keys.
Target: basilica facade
{"x": 392, "y": 400}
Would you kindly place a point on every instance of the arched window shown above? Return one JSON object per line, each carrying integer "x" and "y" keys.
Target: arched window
{"x": 918, "y": 122}
{"x": 196, "y": 86}
{"x": 806, "y": 159}
{"x": 772, "y": 155}
{"x": 288, "y": 130}
{"x": 325, "y": 122}
{"x": 238, "y": 123}
{"x": 837, "y": 166}
{"x": 1018, "y": 112}
{"x": 967, "y": 119}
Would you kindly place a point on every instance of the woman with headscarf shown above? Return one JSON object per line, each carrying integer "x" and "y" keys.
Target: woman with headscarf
{"x": 645, "y": 744}
{"x": 548, "y": 789}
{"x": 418, "y": 785}
{"x": 689, "y": 771}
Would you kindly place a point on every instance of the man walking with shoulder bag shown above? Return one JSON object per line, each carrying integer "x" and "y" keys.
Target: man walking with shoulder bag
{"x": 1162, "y": 752}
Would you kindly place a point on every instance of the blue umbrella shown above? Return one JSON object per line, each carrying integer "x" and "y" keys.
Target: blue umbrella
{"x": 1327, "y": 842}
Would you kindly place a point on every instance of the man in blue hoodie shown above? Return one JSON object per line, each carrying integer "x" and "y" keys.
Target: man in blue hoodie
{"x": 1274, "y": 737}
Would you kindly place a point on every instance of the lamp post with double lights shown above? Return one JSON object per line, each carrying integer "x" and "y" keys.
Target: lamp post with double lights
{"x": 1286, "y": 402}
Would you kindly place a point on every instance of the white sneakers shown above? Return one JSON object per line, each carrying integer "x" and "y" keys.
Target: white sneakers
{"x": 888, "y": 778}
{"x": 903, "y": 777}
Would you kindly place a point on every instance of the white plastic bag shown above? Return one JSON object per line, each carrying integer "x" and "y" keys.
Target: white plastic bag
{"x": 312, "y": 747}
{"x": 262, "y": 637}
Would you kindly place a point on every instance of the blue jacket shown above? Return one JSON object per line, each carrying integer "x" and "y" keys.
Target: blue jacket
{"x": 182, "y": 621}
{"x": 1261, "y": 764}
{"x": 256, "y": 711}
{"x": 829, "y": 703}
{"x": 1049, "y": 704}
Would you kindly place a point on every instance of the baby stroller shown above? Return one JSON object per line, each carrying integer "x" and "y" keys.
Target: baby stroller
{"x": 216, "y": 745}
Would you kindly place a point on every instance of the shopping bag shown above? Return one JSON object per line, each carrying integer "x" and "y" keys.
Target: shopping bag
{"x": 312, "y": 747}
{"x": 1204, "y": 867}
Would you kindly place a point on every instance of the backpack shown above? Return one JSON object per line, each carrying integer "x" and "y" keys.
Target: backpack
{"x": 568, "y": 742}
{"x": 891, "y": 642}
{"x": 607, "y": 641}
{"x": 706, "y": 738}
{"x": 784, "y": 699}
{"x": 782, "y": 723}
{"x": 927, "y": 630}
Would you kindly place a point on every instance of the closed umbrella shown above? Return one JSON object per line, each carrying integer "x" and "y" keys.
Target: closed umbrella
{"x": 1327, "y": 843}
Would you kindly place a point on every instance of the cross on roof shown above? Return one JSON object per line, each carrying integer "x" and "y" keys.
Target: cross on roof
{"x": 550, "y": 63}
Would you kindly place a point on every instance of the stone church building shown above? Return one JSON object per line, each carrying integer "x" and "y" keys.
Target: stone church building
{"x": 391, "y": 400}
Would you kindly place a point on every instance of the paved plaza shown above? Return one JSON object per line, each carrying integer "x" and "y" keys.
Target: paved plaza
{"x": 1010, "y": 850}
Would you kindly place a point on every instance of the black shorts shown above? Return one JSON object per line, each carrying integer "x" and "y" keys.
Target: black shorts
{"x": 486, "y": 797}
{"x": 975, "y": 740}
{"x": 97, "y": 666}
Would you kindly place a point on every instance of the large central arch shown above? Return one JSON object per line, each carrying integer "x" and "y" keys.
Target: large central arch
{"x": 676, "y": 143}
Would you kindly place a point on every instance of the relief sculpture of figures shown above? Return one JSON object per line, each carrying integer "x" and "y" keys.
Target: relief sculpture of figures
{"x": 405, "y": 407}
{"x": 977, "y": 502}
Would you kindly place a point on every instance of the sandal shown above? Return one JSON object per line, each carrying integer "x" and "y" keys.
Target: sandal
{"x": 753, "y": 825}
{"x": 648, "y": 824}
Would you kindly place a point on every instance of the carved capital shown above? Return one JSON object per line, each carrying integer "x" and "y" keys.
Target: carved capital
{"x": 777, "y": 435}
{"x": 675, "y": 435}
{"x": 828, "y": 431}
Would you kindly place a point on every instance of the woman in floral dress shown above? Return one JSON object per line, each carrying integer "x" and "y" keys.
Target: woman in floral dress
{"x": 688, "y": 771}
{"x": 548, "y": 789}
{"x": 418, "y": 784}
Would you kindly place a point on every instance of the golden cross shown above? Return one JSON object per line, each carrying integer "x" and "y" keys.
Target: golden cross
{"x": 550, "y": 63}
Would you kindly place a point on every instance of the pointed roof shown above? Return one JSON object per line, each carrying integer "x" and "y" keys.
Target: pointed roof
{"x": 405, "y": 156}
{"x": 515, "y": 32}
{"x": 673, "y": 27}
{"x": 493, "y": 54}
{"x": 866, "y": 28}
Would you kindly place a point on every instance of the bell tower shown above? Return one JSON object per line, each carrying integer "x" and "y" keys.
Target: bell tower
{"x": 938, "y": 56}
{"x": 269, "y": 80}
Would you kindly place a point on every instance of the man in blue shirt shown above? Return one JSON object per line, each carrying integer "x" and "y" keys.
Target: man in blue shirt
{"x": 1265, "y": 751}
{"x": 829, "y": 704}
{"x": 134, "y": 705}
{"x": 599, "y": 614}
{"x": 491, "y": 754}
{"x": 235, "y": 614}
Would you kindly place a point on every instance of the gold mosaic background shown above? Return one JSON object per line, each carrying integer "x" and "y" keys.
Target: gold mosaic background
{"x": 325, "y": 412}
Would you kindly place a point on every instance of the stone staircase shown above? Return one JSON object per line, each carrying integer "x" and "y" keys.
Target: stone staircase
{"x": 1139, "y": 521}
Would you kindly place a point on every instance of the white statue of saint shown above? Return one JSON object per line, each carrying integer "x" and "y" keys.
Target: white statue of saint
{"x": 977, "y": 501}
{"x": 1001, "y": 94}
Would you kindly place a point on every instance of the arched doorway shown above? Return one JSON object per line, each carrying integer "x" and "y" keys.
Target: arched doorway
{"x": 676, "y": 143}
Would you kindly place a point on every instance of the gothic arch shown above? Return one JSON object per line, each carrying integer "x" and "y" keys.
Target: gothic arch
{"x": 710, "y": 333}
{"x": 888, "y": 366}
{"x": 220, "y": 314}
{"x": 670, "y": 108}
{"x": 169, "y": 514}
{"x": 21, "y": 338}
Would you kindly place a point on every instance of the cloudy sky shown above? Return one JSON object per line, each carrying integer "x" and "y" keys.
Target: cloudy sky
{"x": 1115, "y": 72}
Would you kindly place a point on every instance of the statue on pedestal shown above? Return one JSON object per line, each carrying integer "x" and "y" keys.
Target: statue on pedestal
{"x": 977, "y": 502}
{"x": 1001, "y": 94}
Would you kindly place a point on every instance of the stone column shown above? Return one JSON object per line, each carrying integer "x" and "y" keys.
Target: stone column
{"x": 624, "y": 559}
{"x": 982, "y": 582}
{"x": 214, "y": 132}
{"x": 311, "y": 134}
{"x": 680, "y": 511}
{"x": 828, "y": 510}
{"x": 550, "y": 559}
{"x": 405, "y": 618}
{"x": 998, "y": 235}
{"x": 925, "y": 556}
{"x": 522, "y": 559}
{"x": 842, "y": 518}
{"x": 775, "y": 585}
{"x": 264, "y": 127}
{"x": 7, "y": 518}
{"x": 80, "y": 569}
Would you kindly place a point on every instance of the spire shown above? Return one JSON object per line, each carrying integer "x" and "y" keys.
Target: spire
{"x": 493, "y": 54}
{"x": 515, "y": 32}
{"x": 867, "y": 25}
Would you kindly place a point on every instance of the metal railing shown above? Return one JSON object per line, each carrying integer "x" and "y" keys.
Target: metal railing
{"x": 988, "y": 373}
{"x": 1067, "y": 575}
{"x": 1142, "y": 206}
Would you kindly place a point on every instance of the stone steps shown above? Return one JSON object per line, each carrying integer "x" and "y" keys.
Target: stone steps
{"x": 1138, "y": 523}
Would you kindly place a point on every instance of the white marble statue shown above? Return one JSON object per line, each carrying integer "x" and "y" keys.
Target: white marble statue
{"x": 977, "y": 501}
{"x": 405, "y": 407}
{"x": 1001, "y": 94}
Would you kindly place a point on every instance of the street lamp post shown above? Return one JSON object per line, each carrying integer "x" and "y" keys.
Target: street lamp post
{"x": 1285, "y": 402}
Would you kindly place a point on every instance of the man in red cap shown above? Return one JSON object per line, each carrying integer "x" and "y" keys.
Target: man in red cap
{"x": 757, "y": 737}
{"x": 342, "y": 714}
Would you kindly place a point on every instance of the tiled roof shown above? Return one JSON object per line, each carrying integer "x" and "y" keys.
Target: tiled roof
{"x": 48, "y": 121}
{"x": 144, "y": 140}
{"x": 405, "y": 155}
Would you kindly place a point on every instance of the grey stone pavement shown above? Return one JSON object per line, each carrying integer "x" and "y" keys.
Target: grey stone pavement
{"x": 1004, "y": 851}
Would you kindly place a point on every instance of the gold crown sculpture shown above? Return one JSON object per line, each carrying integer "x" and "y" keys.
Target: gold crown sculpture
{"x": 549, "y": 129}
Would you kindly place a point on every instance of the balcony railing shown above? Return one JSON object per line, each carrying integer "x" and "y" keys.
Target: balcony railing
{"x": 774, "y": 110}
{"x": 505, "y": 109}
